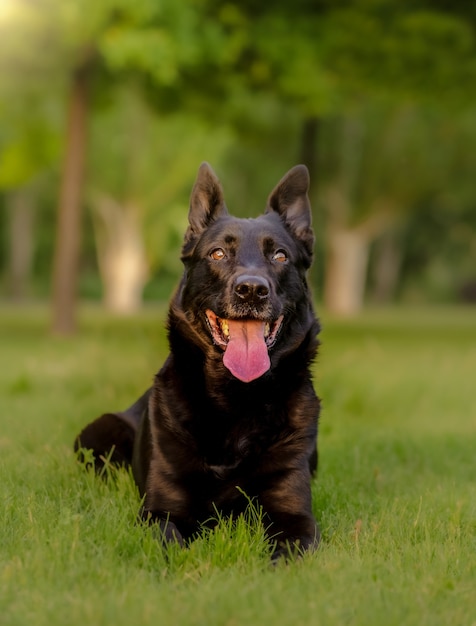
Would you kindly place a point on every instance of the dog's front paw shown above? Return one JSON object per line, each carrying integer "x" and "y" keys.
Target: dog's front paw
{"x": 164, "y": 530}
{"x": 168, "y": 532}
{"x": 292, "y": 548}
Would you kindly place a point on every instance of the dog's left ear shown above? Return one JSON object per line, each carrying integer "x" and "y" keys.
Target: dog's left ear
{"x": 291, "y": 201}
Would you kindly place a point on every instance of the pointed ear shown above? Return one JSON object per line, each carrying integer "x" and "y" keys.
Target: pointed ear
{"x": 206, "y": 202}
{"x": 289, "y": 199}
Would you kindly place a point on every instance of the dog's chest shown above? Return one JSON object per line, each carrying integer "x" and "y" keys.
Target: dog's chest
{"x": 230, "y": 440}
{"x": 227, "y": 452}
{"x": 226, "y": 459}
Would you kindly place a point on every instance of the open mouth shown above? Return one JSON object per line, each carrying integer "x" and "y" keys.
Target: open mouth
{"x": 223, "y": 329}
{"x": 246, "y": 343}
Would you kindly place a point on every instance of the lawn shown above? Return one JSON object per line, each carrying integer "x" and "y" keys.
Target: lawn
{"x": 395, "y": 495}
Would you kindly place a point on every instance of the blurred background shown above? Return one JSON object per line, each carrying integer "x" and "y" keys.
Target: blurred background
{"x": 107, "y": 108}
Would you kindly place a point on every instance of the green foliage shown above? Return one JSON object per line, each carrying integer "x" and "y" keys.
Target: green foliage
{"x": 390, "y": 82}
{"x": 30, "y": 142}
{"x": 395, "y": 495}
{"x": 396, "y": 49}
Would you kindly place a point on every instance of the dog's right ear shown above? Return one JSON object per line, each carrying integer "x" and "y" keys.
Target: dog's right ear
{"x": 206, "y": 202}
{"x": 290, "y": 200}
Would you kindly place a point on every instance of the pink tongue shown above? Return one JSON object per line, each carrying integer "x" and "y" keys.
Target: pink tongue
{"x": 246, "y": 355}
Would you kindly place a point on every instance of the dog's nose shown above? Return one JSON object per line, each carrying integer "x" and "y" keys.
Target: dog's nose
{"x": 249, "y": 288}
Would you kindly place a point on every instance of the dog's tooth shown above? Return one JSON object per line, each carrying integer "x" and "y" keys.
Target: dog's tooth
{"x": 225, "y": 328}
{"x": 266, "y": 329}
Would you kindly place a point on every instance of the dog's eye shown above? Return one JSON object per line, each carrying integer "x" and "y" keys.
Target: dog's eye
{"x": 218, "y": 254}
{"x": 280, "y": 256}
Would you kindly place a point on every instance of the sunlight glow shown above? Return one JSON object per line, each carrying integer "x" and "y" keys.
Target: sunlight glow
{"x": 7, "y": 9}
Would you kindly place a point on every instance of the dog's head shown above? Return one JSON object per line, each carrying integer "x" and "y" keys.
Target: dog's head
{"x": 245, "y": 279}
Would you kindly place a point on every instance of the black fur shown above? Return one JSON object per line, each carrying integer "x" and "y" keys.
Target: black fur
{"x": 207, "y": 432}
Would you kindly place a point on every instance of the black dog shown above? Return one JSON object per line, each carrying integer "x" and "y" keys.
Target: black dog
{"x": 232, "y": 414}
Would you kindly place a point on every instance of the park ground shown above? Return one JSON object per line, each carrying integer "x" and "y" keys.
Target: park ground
{"x": 395, "y": 495}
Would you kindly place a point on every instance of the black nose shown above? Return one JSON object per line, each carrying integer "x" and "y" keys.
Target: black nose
{"x": 252, "y": 288}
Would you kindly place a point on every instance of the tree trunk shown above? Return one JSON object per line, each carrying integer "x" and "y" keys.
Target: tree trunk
{"x": 346, "y": 271}
{"x": 20, "y": 208}
{"x": 386, "y": 268}
{"x": 68, "y": 237}
{"x": 121, "y": 254}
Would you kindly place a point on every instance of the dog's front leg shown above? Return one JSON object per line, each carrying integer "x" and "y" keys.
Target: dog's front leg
{"x": 293, "y": 534}
{"x": 287, "y": 504}
{"x": 164, "y": 528}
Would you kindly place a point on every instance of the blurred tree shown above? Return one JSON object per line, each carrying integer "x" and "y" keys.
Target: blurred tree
{"x": 439, "y": 247}
{"x": 29, "y": 143}
{"x": 26, "y": 71}
{"x": 352, "y": 77}
{"x": 422, "y": 55}
{"x": 365, "y": 195}
{"x": 68, "y": 238}
{"x": 20, "y": 218}
{"x": 26, "y": 148}
{"x": 139, "y": 198}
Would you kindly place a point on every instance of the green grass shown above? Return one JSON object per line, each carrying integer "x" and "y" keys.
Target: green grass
{"x": 395, "y": 495}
